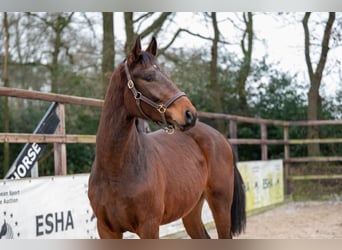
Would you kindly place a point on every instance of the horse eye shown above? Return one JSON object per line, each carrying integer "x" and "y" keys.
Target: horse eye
{"x": 148, "y": 78}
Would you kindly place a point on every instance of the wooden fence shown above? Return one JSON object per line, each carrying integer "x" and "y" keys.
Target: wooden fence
{"x": 60, "y": 138}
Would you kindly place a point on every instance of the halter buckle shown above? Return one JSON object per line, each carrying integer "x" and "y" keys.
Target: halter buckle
{"x": 169, "y": 130}
{"x": 130, "y": 84}
{"x": 161, "y": 108}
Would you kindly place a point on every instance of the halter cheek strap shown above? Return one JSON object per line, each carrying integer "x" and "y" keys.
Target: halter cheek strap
{"x": 161, "y": 108}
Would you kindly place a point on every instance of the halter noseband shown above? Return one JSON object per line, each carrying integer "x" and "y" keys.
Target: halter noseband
{"x": 161, "y": 108}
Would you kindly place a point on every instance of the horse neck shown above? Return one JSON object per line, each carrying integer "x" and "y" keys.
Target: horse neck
{"x": 117, "y": 136}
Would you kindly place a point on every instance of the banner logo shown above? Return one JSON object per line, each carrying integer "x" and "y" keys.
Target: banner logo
{"x": 7, "y": 225}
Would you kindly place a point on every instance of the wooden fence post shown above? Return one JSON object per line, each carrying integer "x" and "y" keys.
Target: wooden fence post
{"x": 233, "y": 135}
{"x": 60, "y": 148}
{"x": 286, "y": 163}
{"x": 264, "y": 149}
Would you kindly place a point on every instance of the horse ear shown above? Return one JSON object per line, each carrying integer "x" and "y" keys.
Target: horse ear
{"x": 135, "y": 52}
{"x": 152, "y": 47}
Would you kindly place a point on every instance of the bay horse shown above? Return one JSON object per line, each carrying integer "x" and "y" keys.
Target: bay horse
{"x": 139, "y": 180}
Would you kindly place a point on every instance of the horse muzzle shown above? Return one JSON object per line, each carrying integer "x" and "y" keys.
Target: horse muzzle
{"x": 190, "y": 118}
{"x": 183, "y": 114}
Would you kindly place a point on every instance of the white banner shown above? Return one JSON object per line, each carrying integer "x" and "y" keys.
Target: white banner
{"x": 58, "y": 207}
{"x": 48, "y": 207}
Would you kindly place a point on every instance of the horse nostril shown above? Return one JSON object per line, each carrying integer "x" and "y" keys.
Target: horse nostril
{"x": 189, "y": 117}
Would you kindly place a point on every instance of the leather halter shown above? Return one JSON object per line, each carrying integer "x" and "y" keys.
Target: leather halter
{"x": 161, "y": 108}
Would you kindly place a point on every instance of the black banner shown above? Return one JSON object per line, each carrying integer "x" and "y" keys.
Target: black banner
{"x": 31, "y": 152}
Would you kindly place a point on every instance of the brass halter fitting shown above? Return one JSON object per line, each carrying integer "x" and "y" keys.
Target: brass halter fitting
{"x": 161, "y": 108}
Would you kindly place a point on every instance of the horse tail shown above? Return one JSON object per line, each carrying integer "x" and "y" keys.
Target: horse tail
{"x": 238, "y": 210}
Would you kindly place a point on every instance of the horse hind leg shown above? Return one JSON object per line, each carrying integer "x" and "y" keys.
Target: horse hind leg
{"x": 219, "y": 194}
{"x": 193, "y": 222}
{"x": 220, "y": 205}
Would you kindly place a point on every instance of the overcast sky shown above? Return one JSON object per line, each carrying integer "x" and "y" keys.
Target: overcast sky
{"x": 281, "y": 37}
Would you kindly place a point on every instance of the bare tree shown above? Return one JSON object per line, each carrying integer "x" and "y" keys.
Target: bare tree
{"x": 57, "y": 23}
{"x": 108, "y": 48}
{"x": 315, "y": 76}
{"x": 214, "y": 87}
{"x": 133, "y": 25}
{"x": 5, "y": 77}
{"x": 246, "y": 44}
{"x": 246, "y": 47}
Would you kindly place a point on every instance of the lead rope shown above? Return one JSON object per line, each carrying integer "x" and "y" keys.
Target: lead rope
{"x": 161, "y": 108}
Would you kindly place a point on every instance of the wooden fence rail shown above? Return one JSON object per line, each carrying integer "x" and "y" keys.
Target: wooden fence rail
{"x": 61, "y": 138}
{"x": 50, "y": 97}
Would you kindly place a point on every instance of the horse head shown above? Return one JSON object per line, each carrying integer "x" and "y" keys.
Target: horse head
{"x": 151, "y": 94}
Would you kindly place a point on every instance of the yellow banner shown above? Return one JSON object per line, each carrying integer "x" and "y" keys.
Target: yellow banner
{"x": 263, "y": 182}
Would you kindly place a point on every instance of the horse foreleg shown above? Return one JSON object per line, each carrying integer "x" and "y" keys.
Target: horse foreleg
{"x": 193, "y": 222}
{"x": 106, "y": 233}
{"x": 149, "y": 229}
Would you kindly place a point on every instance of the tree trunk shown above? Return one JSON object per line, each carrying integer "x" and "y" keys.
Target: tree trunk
{"x": 215, "y": 89}
{"x": 6, "y": 117}
{"x": 246, "y": 63}
{"x": 58, "y": 27}
{"x": 54, "y": 67}
{"x": 108, "y": 48}
{"x": 314, "y": 98}
{"x": 129, "y": 28}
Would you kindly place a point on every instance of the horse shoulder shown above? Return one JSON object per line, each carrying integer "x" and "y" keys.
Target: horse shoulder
{"x": 206, "y": 136}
